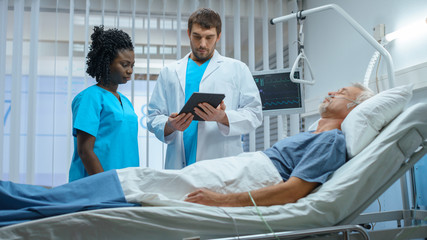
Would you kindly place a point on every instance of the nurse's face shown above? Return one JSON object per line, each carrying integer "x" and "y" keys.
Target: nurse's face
{"x": 121, "y": 68}
{"x": 203, "y": 42}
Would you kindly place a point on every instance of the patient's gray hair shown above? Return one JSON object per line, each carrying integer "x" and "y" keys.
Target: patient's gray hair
{"x": 364, "y": 95}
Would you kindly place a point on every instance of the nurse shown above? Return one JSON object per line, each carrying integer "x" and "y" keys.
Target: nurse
{"x": 203, "y": 70}
{"x": 105, "y": 126}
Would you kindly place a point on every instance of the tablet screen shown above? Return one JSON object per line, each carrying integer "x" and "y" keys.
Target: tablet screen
{"x": 213, "y": 99}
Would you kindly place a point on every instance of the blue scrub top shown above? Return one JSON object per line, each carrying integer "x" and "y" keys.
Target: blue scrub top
{"x": 193, "y": 78}
{"x": 99, "y": 113}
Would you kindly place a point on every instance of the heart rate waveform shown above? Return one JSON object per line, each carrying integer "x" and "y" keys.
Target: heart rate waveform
{"x": 280, "y": 103}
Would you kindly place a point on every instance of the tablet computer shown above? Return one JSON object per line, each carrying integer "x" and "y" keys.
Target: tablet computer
{"x": 213, "y": 99}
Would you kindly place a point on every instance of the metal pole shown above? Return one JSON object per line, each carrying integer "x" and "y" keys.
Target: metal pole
{"x": 371, "y": 40}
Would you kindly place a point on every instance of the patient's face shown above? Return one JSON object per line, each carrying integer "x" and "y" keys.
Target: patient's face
{"x": 336, "y": 106}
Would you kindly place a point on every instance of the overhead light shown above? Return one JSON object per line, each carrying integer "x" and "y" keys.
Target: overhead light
{"x": 407, "y": 31}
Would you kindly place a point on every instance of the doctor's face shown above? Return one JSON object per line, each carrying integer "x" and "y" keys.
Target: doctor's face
{"x": 203, "y": 42}
{"x": 336, "y": 104}
{"x": 121, "y": 68}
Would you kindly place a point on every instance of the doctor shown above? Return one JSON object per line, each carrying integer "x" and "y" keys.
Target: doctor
{"x": 203, "y": 70}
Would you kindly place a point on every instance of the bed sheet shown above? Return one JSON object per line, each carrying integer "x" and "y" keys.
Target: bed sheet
{"x": 349, "y": 187}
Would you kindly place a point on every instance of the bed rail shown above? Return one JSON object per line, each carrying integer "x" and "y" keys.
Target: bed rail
{"x": 407, "y": 165}
{"x": 344, "y": 230}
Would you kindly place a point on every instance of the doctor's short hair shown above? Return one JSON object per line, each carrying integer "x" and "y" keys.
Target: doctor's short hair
{"x": 206, "y": 18}
{"x": 106, "y": 44}
{"x": 364, "y": 95}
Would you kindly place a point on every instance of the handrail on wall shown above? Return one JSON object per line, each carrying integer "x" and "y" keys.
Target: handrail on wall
{"x": 355, "y": 25}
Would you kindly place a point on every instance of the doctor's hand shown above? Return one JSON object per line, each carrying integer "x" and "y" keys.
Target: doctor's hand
{"x": 210, "y": 113}
{"x": 209, "y": 198}
{"x": 178, "y": 122}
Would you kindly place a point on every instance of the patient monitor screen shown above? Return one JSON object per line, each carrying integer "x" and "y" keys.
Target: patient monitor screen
{"x": 279, "y": 95}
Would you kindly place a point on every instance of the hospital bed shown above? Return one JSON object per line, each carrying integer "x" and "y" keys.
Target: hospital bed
{"x": 334, "y": 207}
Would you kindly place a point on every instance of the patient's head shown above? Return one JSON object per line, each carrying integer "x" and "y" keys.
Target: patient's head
{"x": 338, "y": 104}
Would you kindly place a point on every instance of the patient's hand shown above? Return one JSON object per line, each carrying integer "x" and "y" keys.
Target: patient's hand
{"x": 279, "y": 194}
{"x": 207, "y": 197}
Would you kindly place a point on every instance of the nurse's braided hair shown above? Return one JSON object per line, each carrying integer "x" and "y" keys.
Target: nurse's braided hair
{"x": 103, "y": 50}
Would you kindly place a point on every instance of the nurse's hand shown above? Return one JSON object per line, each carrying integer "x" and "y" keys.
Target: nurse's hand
{"x": 178, "y": 122}
{"x": 210, "y": 113}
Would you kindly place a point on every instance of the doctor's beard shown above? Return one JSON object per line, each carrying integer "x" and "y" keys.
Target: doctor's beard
{"x": 201, "y": 58}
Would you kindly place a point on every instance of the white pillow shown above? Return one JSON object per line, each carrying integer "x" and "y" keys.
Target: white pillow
{"x": 313, "y": 126}
{"x": 365, "y": 121}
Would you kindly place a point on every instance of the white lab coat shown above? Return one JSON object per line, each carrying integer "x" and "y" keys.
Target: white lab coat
{"x": 214, "y": 140}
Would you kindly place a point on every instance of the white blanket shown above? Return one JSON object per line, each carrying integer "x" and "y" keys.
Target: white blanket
{"x": 245, "y": 172}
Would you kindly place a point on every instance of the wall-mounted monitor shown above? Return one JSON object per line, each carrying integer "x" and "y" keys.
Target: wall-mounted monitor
{"x": 279, "y": 95}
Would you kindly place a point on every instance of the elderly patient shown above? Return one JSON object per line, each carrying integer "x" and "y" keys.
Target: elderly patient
{"x": 304, "y": 161}
{"x": 288, "y": 171}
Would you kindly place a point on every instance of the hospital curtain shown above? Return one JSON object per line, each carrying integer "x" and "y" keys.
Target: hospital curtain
{"x": 3, "y": 28}
{"x": 43, "y": 45}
